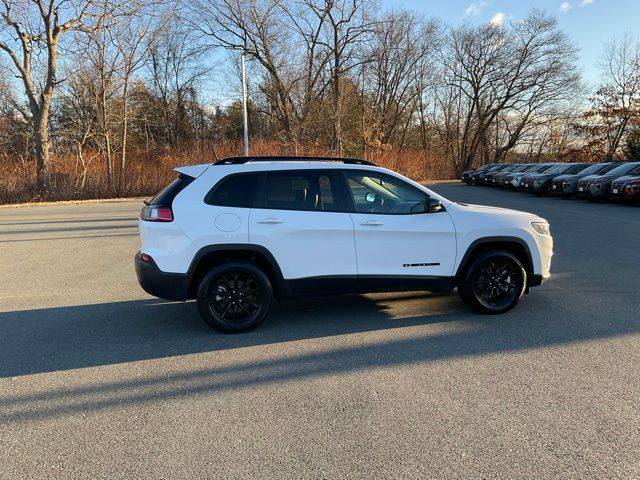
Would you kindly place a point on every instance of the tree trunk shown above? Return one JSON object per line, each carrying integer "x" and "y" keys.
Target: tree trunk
{"x": 41, "y": 144}
{"x": 125, "y": 123}
{"x": 337, "y": 121}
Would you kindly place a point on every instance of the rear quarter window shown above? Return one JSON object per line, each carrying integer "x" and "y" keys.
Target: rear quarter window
{"x": 234, "y": 191}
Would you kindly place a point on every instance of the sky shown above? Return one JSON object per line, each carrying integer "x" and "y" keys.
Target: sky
{"x": 589, "y": 23}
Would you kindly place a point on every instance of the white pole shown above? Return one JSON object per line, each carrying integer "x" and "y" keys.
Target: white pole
{"x": 244, "y": 108}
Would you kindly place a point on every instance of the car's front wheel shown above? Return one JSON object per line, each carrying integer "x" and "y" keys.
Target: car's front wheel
{"x": 235, "y": 297}
{"x": 494, "y": 282}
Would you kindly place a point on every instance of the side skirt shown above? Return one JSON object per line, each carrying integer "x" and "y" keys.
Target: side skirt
{"x": 339, "y": 285}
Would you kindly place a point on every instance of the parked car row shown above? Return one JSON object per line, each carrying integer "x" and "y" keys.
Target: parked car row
{"x": 611, "y": 181}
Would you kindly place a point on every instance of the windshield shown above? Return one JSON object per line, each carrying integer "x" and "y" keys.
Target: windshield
{"x": 511, "y": 168}
{"x": 635, "y": 171}
{"x": 594, "y": 168}
{"x": 537, "y": 168}
{"x": 576, "y": 169}
{"x": 527, "y": 168}
{"x": 623, "y": 169}
{"x": 557, "y": 169}
{"x": 608, "y": 168}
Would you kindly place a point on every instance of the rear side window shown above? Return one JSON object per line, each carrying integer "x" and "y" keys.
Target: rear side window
{"x": 166, "y": 196}
{"x": 234, "y": 191}
{"x": 300, "y": 191}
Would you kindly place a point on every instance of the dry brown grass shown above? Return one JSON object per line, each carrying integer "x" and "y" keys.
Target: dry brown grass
{"x": 148, "y": 172}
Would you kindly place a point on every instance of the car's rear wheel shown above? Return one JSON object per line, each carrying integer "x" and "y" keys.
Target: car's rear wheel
{"x": 235, "y": 297}
{"x": 494, "y": 282}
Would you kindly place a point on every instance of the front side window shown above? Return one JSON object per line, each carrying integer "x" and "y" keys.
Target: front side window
{"x": 374, "y": 193}
{"x": 234, "y": 191}
{"x": 300, "y": 191}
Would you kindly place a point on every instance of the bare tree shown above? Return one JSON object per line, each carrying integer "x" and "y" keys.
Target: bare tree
{"x": 509, "y": 75}
{"x": 397, "y": 72}
{"x": 347, "y": 25}
{"x": 94, "y": 75}
{"x": 175, "y": 67}
{"x": 32, "y": 30}
{"x": 306, "y": 50}
{"x": 257, "y": 28}
{"x": 133, "y": 41}
{"x": 617, "y": 100}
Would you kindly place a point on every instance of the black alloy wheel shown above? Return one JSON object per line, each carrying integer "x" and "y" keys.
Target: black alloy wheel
{"x": 235, "y": 297}
{"x": 494, "y": 282}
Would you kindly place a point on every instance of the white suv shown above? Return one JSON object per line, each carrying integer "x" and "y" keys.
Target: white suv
{"x": 242, "y": 232}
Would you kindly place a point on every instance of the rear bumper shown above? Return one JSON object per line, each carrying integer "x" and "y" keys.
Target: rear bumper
{"x": 170, "y": 286}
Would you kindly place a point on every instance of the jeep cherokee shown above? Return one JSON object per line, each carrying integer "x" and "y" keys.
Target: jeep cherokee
{"x": 242, "y": 232}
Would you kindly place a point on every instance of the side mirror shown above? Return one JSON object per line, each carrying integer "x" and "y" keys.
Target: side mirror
{"x": 433, "y": 205}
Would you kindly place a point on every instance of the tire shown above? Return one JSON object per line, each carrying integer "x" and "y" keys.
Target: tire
{"x": 490, "y": 297}
{"x": 235, "y": 297}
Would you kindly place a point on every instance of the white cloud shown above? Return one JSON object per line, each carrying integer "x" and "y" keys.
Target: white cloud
{"x": 498, "y": 19}
{"x": 584, "y": 3}
{"x": 565, "y": 6}
{"x": 476, "y": 8}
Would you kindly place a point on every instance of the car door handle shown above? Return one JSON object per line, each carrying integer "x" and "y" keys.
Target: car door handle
{"x": 372, "y": 223}
{"x": 270, "y": 221}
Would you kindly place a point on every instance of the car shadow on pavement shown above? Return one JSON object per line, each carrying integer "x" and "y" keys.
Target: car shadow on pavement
{"x": 54, "y": 339}
{"x": 58, "y": 339}
{"x": 106, "y": 334}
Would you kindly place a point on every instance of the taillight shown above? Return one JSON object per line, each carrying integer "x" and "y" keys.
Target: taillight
{"x": 155, "y": 213}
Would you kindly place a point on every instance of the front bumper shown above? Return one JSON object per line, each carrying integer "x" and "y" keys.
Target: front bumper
{"x": 170, "y": 286}
{"x": 582, "y": 191}
{"x": 537, "y": 280}
{"x": 556, "y": 189}
{"x": 538, "y": 188}
{"x": 598, "y": 191}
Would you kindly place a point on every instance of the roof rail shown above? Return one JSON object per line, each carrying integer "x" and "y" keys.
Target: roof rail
{"x": 290, "y": 158}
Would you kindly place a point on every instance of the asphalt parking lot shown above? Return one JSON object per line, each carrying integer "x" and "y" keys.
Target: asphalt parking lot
{"x": 99, "y": 380}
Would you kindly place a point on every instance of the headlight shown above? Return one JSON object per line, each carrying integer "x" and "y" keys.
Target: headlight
{"x": 537, "y": 183}
{"x": 541, "y": 227}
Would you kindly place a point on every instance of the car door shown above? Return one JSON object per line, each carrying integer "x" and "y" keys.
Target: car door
{"x": 300, "y": 217}
{"x": 395, "y": 235}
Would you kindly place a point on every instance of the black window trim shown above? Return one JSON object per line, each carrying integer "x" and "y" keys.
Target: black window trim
{"x": 260, "y": 199}
{"x": 351, "y": 206}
